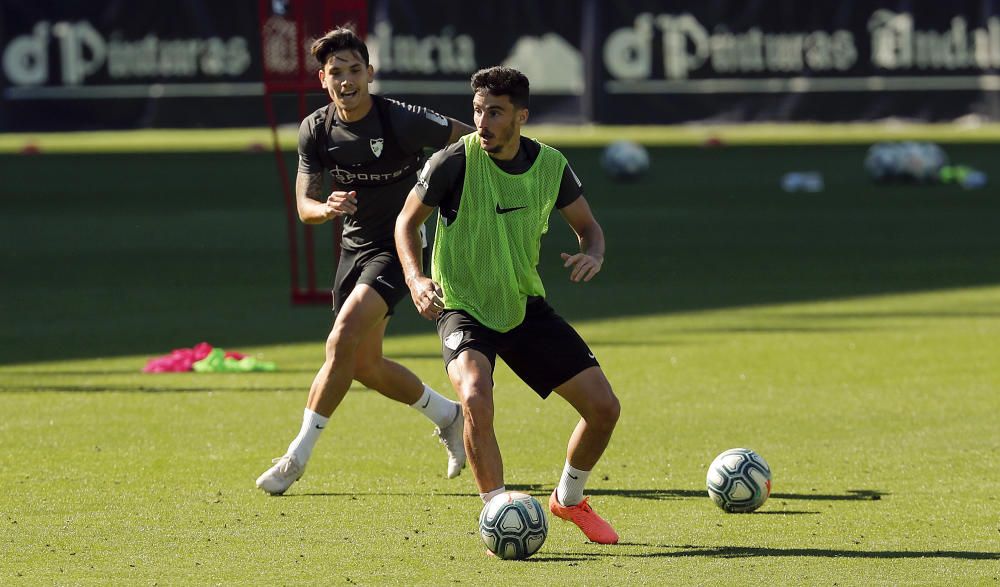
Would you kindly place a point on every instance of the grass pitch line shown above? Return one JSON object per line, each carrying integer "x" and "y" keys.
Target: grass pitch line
{"x": 258, "y": 139}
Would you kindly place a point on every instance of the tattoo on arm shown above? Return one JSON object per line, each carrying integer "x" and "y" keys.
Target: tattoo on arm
{"x": 309, "y": 197}
{"x": 309, "y": 185}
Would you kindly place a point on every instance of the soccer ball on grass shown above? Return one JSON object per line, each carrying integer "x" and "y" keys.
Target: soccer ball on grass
{"x": 739, "y": 480}
{"x": 625, "y": 160}
{"x": 906, "y": 161}
{"x": 513, "y": 525}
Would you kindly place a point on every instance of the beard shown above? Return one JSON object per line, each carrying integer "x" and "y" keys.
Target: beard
{"x": 501, "y": 139}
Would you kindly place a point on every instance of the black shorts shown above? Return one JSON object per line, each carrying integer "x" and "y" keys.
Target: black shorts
{"x": 544, "y": 350}
{"x": 377, "y": 267}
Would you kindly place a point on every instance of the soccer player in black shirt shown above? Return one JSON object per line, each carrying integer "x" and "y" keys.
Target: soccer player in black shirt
{"x": 372, "y": 147}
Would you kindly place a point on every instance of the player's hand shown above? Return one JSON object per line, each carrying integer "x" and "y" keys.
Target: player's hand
{"x": 585, "y": 267}
{"x": 341, "y": 204}
{"x": 427, "y": 297}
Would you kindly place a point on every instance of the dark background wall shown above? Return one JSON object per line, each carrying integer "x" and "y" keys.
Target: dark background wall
{"x": 195, "y": 63}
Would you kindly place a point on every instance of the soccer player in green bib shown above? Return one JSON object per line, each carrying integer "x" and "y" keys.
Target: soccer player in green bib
{"x": 494, "y": 190}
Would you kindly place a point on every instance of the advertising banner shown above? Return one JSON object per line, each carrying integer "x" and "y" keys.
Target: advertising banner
{"x": 826, "y": 60}
{"x": 121, "y": 64}
{"x": 428, "y": 56}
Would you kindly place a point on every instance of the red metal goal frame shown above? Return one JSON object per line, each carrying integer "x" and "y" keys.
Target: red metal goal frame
{"x": 287, "y": 28}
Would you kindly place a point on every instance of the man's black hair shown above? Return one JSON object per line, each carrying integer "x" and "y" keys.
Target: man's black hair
{"x": 503, "y": 81}
{"x": 338, "y": 39}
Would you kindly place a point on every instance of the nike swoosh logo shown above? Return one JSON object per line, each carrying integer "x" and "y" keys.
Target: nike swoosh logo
{"x": 506, "y": 210}
{"x": 318, "y": 427}
{"x": 591, "y": 355}
{"x": 572, "y": 476}
{"x": 426, "y": 403}
{"x": 382, "y": 280}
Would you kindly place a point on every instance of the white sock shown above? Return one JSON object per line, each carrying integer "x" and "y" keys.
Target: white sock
{"x": 486, "y": 497}
{"x": 312, "y": 425}
{"x": 570, "y": 490}
{"x": 438, "y": 409}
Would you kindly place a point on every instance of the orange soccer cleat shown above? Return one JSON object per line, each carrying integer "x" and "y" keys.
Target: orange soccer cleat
{"x": 594, "y": 527}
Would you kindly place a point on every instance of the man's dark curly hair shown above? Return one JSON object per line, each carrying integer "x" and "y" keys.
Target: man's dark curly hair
{"x": 338, "y": 39}
{"x": 503, "y": 81}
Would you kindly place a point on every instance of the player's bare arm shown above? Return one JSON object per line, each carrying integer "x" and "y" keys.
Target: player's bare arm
{"x": 425, "y": 293}
{"x": 313, "y": 208}
{"x": 588, "y": 262}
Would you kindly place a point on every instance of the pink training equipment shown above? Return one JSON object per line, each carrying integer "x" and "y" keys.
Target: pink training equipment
{"x": 182, "y": 360}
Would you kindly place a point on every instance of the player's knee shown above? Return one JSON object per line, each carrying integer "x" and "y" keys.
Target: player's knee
{"x": 343, "y": 340}
{"x": 606, "y": 409}
{"x": 611, "y": 409}
{"x": 477, "y": 402}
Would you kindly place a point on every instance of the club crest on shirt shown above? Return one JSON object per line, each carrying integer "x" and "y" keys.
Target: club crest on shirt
{"x": 376, "y": 146}
{"x": 454, "y": 339}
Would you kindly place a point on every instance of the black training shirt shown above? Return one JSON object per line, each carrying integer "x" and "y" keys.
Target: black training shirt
{"x": 373, "y": 162}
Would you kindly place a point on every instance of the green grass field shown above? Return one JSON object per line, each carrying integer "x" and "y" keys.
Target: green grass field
{"x": 850, "y": 337}
{"x": 254, "y": 139}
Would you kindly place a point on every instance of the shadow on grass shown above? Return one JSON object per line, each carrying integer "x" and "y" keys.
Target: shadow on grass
{"x": 688, "y": 550}
{"x": 140, "y": 280}
{"x": 891, "y": 315}
{"x": 751, "y": 552}
{"x": 136, "y": 389}
{"x": 540, "y": 492}
{"x": 217, "y": 384}
{"x": 541, "y": 558}
{"x": 851, "y": 495}
{"x": 665, "y": 494}
{"x": 139, "y": 371}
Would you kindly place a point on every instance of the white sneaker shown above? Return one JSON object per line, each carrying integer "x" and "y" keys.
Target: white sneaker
{"x": 451, "y": 436}
{"x": 279, "y": 478}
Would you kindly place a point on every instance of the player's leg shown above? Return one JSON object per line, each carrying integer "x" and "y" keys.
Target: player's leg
{"x": 383, "y": 273}
{"x": 471, "y": 374}
{"x": 590, "y": 394}
{"x": 469, "y": 352}
{"x": 549, "y": 355}
{"x": 397, "y": 382}
{"x": 361, "y": 312}
{"x": 385, "y": 376}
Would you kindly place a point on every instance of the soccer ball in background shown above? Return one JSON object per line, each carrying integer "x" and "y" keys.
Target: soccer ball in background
{"x": 625, "y": 160}
{"x": 513, "y": 525}
{"x": 907, "y": 161}
{"x": 739, "y": 480}
{"x": 881, "y": 162}
{"x": 923, "y": 161}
